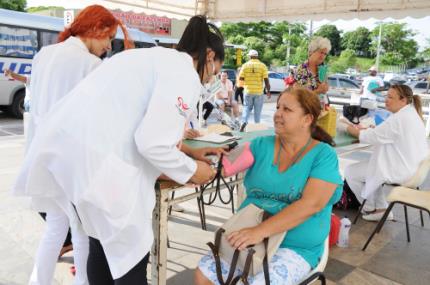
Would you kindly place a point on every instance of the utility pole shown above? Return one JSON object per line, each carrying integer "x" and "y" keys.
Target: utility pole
{"x": 310, "y": 28}
{"x": 378, "y": 51}
{"x": 288, "y": 48}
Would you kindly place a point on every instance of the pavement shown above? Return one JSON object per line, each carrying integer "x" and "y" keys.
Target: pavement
{"x": 389, "y": 259}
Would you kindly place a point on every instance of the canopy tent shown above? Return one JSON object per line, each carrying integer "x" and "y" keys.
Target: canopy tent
{"x": 256, "y": 10}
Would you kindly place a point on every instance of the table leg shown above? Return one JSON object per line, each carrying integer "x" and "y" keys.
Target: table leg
{"x": 159, "y": 249}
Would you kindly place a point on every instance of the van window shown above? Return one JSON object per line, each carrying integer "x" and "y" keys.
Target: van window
{"x": 48, "y": 38}
{"x": 18, "y": 42}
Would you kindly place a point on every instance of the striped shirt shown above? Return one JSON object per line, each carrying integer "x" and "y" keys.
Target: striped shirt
{"x": 254, "y": 72}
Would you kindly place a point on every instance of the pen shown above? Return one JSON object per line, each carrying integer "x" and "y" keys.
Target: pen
{"x": 192, "y": 125}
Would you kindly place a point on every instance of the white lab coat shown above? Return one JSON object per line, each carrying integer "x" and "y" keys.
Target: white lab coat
{"x": 56, "y": 70}
{"x": 400, "y": 144}
{"x": 105, "y": 144}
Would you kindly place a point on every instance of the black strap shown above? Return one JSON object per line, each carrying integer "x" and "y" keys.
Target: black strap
{"x": 244, "y": 276}
{"x": 215, "y": 252}
{"x": 266, "y": 215}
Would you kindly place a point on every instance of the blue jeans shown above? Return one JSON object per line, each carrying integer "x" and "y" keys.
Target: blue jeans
{"x": 252, "y": 101}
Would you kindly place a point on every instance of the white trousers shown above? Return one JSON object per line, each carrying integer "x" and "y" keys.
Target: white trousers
{"x": 57, "y": 225}
{"x": 355, "y": 176}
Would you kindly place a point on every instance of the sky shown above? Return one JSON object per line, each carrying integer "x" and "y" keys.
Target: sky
{"x": 420, "y": 26}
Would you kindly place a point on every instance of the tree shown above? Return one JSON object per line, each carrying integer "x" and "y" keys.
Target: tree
{"x": 269, "y": 39}
{"x": 333, "y": 34}
{"x": 397, "y": 44}
{"x": 17, "y": 5}
{"x": 346, "y": 59}
{"x": 358, "y": 41}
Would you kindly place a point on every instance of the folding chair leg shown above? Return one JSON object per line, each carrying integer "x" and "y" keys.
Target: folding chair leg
{"x": 407, "y": 223}
{"x": 379, "y": 226}
{"x": 359, "y": 212}
{"x": 202, "y": 215}
{"x": 422, "y": 218}
{"x": 173, "y": 197}
{"x": 316, "y": 276}
{"x": 322, "y": 279}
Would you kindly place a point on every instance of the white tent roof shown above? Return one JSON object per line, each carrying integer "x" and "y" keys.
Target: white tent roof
{"x": 256, "y": 10}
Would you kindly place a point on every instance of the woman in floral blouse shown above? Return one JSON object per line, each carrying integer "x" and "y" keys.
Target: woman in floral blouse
{"x": 306, "y": 74}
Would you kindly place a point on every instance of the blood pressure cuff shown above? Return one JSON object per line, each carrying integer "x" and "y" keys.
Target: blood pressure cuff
{"x": 238, "y": 160}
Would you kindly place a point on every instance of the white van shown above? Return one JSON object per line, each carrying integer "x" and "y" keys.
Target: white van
{"x": 22, "y": 35}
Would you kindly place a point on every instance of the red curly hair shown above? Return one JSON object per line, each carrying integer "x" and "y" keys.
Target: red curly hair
{"x": 95, "y": 21}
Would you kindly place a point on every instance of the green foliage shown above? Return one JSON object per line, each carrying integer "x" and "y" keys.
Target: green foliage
{"x": 42, "y": 8}
{"x": 397, "y": 44}
{"x": 346, "y": 59}
{"x": 358, "y": 41}
{"x": 16, "y": 5}
{"x": 269, "y": 39}
{"x": 333, "y": 34}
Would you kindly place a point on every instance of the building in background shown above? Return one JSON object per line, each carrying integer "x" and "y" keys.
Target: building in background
{"x": 165, "y": 31}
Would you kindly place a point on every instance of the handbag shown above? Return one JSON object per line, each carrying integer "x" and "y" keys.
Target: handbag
{"x": 328, "y": 121}
{"x": 353, "y": 113}
{"x": 252, "y": 260}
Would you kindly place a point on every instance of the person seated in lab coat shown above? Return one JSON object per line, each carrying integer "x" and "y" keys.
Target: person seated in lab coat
{"x": 400, "y": 144}
{"x": 100, "y": 151}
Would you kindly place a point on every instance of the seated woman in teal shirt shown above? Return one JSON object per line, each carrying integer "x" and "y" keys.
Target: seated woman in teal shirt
{"x": 296, "y": 178}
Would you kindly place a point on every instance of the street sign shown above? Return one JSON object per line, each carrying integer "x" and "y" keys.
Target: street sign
{"x": 69, "y": 16}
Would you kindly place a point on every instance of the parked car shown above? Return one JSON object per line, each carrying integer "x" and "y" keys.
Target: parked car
{"x": 419, "y": 87}
{"x": 277, "y": 83}
{"x": 341, "y": 89}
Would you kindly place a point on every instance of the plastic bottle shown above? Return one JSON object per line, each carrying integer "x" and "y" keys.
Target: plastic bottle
{"x": 345, "y": 226}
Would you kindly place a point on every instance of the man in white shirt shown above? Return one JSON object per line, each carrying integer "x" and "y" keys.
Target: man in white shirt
{"x": 225, "y": 96}
{"x": 370, "y": 83}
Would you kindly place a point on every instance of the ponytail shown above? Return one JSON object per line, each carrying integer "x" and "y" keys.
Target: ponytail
{"x": 95, "y": 21}
{"x": 197, "y": 38}
{"x": 310, "y": 103}
{"x": 416, "y": 100}
{"x": 64, "y": 35}
{"x": 405, "y": 91}
{"x": 128, "y": 43}
{"x": 320, "y": 134}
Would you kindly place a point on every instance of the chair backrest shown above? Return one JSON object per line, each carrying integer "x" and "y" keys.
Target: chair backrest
{"x": 218, "y": 128}
{"x": 420, "y": 175}
{"x": 256, "y": 127}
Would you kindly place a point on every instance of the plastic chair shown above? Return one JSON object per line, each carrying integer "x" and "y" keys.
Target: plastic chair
{"x": 414, "y": 182}
{"x": 317, "y": 273}
{"x": 408, "y": 197}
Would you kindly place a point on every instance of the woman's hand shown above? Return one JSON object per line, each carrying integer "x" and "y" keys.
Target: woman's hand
{"x": 322, "y": 88}
{"x": 7, "y": 72}
{"x": 191, "y": 134}
{"x": 202, "y": 153}
{"x": 204, "y": 173}
{"x": 243, "y": 238}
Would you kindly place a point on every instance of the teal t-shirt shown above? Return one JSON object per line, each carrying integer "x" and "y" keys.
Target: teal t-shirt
{"x": 273, "y": 191}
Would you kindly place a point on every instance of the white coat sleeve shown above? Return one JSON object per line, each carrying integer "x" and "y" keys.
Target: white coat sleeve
{"x": 384, "y": 133}
{"x": 162, "y": 127}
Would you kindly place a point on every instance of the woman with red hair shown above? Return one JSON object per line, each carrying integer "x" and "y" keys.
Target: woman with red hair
{"x": 56, "y": 70}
